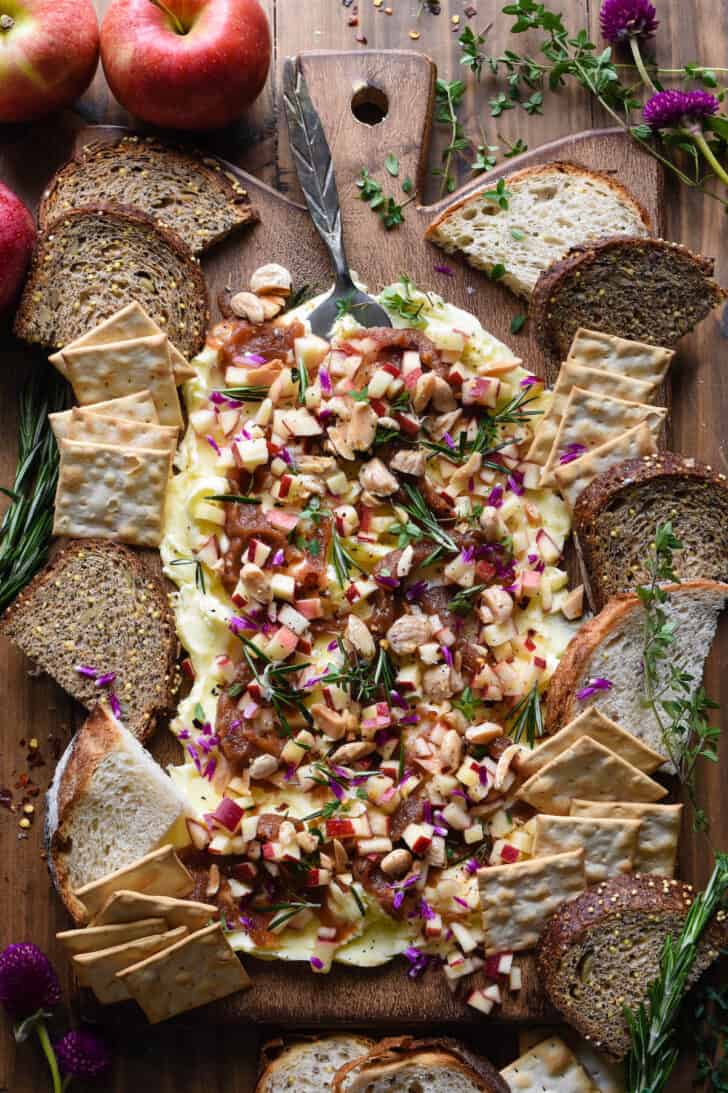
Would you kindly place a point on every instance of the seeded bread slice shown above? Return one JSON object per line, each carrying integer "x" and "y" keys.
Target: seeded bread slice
{"x": 601, "y": 951}
{"x": 108, "y": 805}
{"x": 93, "y": 260}
{"x": 310, "y": 1067}
{"x": 194, "y": 196}
{"x": 102, "y": 605}
{"x": 646, "y": 290}
{"x": 548, "y": 210}
{"x": 610, "y": 645}
{"x": 616, "y": 515}
{"x": 403, "y": 1064}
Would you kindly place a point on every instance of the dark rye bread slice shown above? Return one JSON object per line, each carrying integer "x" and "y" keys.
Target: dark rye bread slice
{"x": 402, "y": 1064}
{"x": 103, "y": 605}
{"x": 647, "y": 290}
{"x": 194, "y": 196}
{"x": 92, "y": 261}
{"x": 601, "y": 951}
{"x": 616, "y": 515}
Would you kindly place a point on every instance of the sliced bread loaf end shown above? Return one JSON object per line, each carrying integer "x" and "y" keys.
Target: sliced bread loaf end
{"x": 309, "y": 1067}
{"x": 401, "y": 1064}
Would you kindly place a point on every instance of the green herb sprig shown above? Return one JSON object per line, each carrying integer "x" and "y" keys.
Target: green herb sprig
{"x": 462, "y": 601}
{"x": 404, "y": 304}
{"x": 253, "y": 393}
{"x": 448, "y": 99}
{"x": 341, "y": 559}
{"x": 273, "y": 682}
{"x": 390, "y": 212}
{"x": 199, "y": 571}
{"x": 417, "y": 509}
{"x": 525, "y": 720}
{"x": 653, "y": 1051}
{"x": 365, "y": 680}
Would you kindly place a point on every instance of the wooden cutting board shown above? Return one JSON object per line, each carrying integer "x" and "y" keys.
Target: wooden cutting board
{"x": 395, "y": 90}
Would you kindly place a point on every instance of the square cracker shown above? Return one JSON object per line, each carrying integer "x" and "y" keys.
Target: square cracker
{"x": 93, "y": 938}
{"x": 98, "y": 372}
{"x": 126, "y": 906}
{"x": 126, "y": 325}
{"x": 160, "y": 873}
{"x": 573, "y": 478}
{"x": 199, "y": 969}
{"x": 599, "y": 727}
{"x": 137, "y": 407}
{"x": 102, "y": 429}
{"x": 98, "y": 970}
{"x": 589, "y": 771}
{"x": 591, "y": 379}
{"x": 549, "y": 1066}
{"x": 592, "y": 419}
{"x": 111, "y": 493}
{"x": 607, "y": 351}
{"x": 609, "y": 845}
{"x": 658, "y": 834}
{"x": 517, "y": 900}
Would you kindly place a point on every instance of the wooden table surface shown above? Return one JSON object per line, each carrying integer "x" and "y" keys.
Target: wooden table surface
{"x": 169, "y": 1059}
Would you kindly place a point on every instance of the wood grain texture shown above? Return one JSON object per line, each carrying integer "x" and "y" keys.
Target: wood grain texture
{"x": 28, "y": 906}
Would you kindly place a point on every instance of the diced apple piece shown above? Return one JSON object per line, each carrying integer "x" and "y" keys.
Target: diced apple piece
{"x": 282, "y": 644}
{"x": 283, "y": 587}
{"x": 418, "y": 837}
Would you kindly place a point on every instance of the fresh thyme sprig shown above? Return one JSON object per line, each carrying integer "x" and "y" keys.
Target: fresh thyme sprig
{"x": 390, "y": 211}
{"x": 678, "y": 704}
{"x": 526, "y": 719}
{"x": 448, "y": 98}
{"x": 273, "y": 682}
{"x": 404, "y": 304}
{"x": 653, "y": 1052}
{"x": 26, "y": 527}
{"x": 468, "y": 704}
{"x": 199, "y": 572}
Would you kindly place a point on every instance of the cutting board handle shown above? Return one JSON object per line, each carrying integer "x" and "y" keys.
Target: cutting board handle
{"x": 372, "y": 103}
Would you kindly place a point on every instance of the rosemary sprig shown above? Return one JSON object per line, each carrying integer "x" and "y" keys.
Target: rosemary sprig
{"x": 253, "y": 393}
{"x": 417, "y": 510}
{"x": 341, "y": 560}
{"x": 237, "y": 498}
{"x": 199, "y": 572}
{"x": 365, "y": 680}
{"x": 273, "y": 682}
{"x": 653, "y": 1052}
{"x": 462, "y": 601}
{"x": 287, "y": 911}
{"x": 330, "y": 809}
{"x": 526, "y": 719}
{"x": 26, "y": 527}
{"x": 302, "y": 375}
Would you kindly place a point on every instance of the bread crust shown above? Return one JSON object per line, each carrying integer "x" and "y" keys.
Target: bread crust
{"x": 651, "y": 895}
{"x": 403, "y": 1049}
{"x": 234, "y": 195}
{"x": 23, "y": 324}
{"x": 593, "y": 500}
{"x": 144, "y": 566}
{"x": 563, "y": 167}
{"x": 585, "y": 255}
{"x": 561, "y": 702}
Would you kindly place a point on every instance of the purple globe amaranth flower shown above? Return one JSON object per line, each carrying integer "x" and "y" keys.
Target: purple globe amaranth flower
{"x": 28, "y": 982}
{"x": 668, "y": 109}
{"x": 624, "y": 19}
{"x": 82, "y": 1054}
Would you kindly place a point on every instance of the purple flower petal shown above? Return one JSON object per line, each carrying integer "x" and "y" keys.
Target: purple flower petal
{"x": 28, "y": 982}
{"x": 624, "y": 19}
{"x": 593, "y": 687}
{"x": 667, "y": 109}
{"x": 82, "y": 1054}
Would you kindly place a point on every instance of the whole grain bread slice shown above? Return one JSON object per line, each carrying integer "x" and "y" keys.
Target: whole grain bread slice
{"x": 401, "y": 1064}
{"x": 92, "y": 260}
{"x": 630, "y": 916}
{"x": 615, "y": 519}
{"x": 610, "y": 646}
{"x": 646, "y": 290}
{"x": 105, "y": 606}
{"x": 310, "y": 1066}
{"x": 197, "y": 197}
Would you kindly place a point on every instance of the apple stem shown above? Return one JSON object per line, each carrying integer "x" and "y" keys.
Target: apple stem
{"x": 6, "y": 22}
{"x": 176, "y": 22}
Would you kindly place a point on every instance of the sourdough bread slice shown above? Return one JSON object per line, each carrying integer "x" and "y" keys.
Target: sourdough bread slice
{"x": 645, "y": 290}
{"x": 630, "y": 916}
{"x": 549, "y": 209}
{"x": 108, "y": 805}
{"x": 102, "y": 605}
{"x": 309, "y": 1067}
{"x": 194, "y": 196}
{"x": 609, "y": 646}
{"x": 616, "y": 515}
{"x": 90, "y": 261}
{"x": 403, "y": 1064}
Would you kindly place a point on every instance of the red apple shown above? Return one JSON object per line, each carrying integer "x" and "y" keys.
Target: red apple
{"x": 17, "y": 236}
{"x": 49, "y": 50}
{"x": 186, "y": 64}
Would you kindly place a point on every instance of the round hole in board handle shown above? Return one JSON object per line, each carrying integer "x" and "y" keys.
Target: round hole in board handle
{"x": 369, "y": 105}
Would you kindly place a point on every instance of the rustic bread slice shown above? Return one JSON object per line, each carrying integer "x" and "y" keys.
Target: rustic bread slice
{"x": 630, "y": 916}
{"x": 195, "y": 196}
{"x": 310, "y": 1067}
{"x": 549, "y": 209}
{"x": 548, "y": 1066}
{"x": 109, "y": 804}
{"x": 616, "y": 515}
{"x": 404, "y": 1064}
{"x": 102, "y": 605}
{"x": 610, "y": 646}
{"x": 90, "y": 260}
{"x": 646, "y": 290}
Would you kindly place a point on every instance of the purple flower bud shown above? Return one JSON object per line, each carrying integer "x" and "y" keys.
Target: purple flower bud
{"x": 28, "y": 982}
{"x": 624, "y": 19}
{"x": 82, "y": 1054}
{"x": 667, "y": 109}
